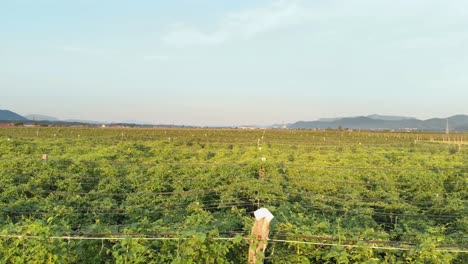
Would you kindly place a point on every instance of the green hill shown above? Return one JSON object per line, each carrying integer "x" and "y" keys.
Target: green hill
{"x": 7, "y": 115}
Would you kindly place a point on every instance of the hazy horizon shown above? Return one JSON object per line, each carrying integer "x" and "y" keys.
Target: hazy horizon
{"x": 226, "y": 124}
{"x": 208, "y": 63}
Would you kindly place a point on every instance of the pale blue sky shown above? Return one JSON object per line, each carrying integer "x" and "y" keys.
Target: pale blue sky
{"x": 229, "y": 62}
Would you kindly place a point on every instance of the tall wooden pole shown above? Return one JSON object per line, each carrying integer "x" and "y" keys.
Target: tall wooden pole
{"x": 260, "y": 232}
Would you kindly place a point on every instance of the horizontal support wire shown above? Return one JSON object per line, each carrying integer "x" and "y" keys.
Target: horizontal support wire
{"x": 217, "y": 204}
{"x": 202, "y": 193}
{"x": 201, "y": 164}
{"x": 224, "y": 238}
{"x": 359, "y": 246}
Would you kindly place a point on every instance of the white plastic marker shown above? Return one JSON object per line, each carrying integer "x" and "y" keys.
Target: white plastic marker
{"x": 263, "y": 212}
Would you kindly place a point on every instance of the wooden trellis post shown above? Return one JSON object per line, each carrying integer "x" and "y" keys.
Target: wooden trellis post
{"x": 260, "y": 231}
{"x": 261, "y": 172}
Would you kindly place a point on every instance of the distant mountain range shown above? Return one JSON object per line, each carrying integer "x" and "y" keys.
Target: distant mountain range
{"x": 7, "y": 115}
{"x": 371, "y": 122}
{"x": 390, "y": 118}
{"x": 376, "y": 122}
{"x": 35, "y": 117}
{"x": 379, "y": 117}
{"x": 41, "y": 118}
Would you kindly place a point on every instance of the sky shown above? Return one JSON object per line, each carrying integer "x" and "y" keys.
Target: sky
{"x": 224, "y": 62}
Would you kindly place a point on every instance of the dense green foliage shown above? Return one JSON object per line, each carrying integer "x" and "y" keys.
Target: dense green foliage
{"x": 104, "y": 193}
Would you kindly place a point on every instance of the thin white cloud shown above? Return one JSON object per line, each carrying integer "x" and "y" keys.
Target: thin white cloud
{"x": 80, "y": 50}
{"x": 244, "y": 24}
{"x": 156, "y": 58}
{"x": 185, "y": 36}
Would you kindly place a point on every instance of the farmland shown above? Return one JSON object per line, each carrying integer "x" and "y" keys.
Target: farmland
{"x": 120, "y": 195}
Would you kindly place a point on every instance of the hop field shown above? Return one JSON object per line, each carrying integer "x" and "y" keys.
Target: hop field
{"x": 108, "y": 195}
